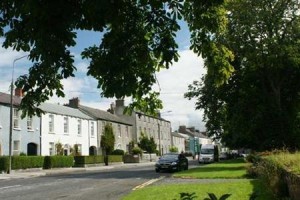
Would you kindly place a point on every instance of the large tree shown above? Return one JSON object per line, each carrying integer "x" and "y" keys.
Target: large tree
{"x": 258, "y": 106}
{"x": 139, "y": 40}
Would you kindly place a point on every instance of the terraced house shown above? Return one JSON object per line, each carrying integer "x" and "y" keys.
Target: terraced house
{"x": 71, "y": 129}
{"x": 26, "y": 132}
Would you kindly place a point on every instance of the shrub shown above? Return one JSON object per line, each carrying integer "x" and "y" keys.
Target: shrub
{"x": 26, "y": 162}
{"x": 82, "y": 160}
{"x": 58, "y": 161}
{"x": 273, "y": 174}
{"x": 4, "y": 163}
{"x": 115, "y": 158}
{"x": 137, "y": 150}
{"x": 173, "y": 149}
{"x": 118, "y": 152}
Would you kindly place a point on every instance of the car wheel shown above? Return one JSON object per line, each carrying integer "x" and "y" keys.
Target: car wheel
{"x": 157, "y": 170}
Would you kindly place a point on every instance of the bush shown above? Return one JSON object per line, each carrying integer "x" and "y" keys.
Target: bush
{"x": 137, "y": 151}
{"x": 58, "y": 161}
{"x": 273, "y": 174}
{"x": 115, "y": 158}
{"x": 4, "y": 163}
{"x": 83, "y": 160}
{"x": 118, "y": 152}
{"x": 173, "y": 149}
{"x": 26, "y": 162}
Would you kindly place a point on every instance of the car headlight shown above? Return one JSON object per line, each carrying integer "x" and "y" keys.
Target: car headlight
{"x": 174, "y": 163}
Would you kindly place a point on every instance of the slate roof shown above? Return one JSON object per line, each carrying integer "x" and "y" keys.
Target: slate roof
{"x": 104, "y": 115}
{"x": 63, "y": 110}
{"x": 5, "y": 99}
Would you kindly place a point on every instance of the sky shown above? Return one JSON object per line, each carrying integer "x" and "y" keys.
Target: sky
{"x": 173, "y": 82}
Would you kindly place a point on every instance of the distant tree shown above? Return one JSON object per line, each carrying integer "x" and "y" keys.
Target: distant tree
{"x": 107, "y": 139}
{"x": 59, "y": 150}
{"x": 147, "y": 144}
{"x": 173, "y": 149}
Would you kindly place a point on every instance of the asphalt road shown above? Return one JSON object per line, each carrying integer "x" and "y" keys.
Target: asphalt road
{"x": 110, "y": 184}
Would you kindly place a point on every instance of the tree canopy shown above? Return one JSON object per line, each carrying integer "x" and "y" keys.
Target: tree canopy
{"x": 250, "y": 94}
{"x": 258, "y": 106}
{"x": 139, "y": 40}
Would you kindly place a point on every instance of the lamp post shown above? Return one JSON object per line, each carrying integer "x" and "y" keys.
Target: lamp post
{"x": 11, "y": 111}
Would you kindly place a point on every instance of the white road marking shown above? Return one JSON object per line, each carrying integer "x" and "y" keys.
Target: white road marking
{"x": 8, "y": 187}
{"x": 148, "y": 183}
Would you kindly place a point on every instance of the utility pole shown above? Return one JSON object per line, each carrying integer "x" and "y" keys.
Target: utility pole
{"x": 11, "y": 111}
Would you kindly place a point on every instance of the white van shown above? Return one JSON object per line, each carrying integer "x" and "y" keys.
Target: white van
{"x": 207, "y": 153}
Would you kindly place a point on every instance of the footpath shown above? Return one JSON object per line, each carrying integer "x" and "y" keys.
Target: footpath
{"x": 36, "y": 172}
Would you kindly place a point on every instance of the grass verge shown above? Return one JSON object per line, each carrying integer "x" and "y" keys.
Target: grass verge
{"x": 239, "y": 190}
{"x": 225, "y": 169}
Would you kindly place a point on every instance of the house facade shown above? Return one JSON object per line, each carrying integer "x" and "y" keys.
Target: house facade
{"x": 156, "y": 127}
{"x": 178, "y": 140}
{"x": 122, "y": 128}
{"x": 74, "y": 131}
{"x": 26, "y": 132}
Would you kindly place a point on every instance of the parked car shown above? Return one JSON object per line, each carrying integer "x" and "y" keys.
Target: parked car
{"x": 172, "y": 162}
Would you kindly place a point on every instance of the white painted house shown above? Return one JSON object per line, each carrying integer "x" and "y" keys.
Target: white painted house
{"x": 69, "y": 127}
{"x": 179, "y": 141}
{"x": 25, "y": 132}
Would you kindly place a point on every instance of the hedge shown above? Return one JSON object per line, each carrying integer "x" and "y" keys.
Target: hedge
{"x": 26, "y": 162}
{"x": 83, "y": 160}
{"x": 115, "y": 158}
{"x": 4, "y": 163}
{"x": 58, "y": 161}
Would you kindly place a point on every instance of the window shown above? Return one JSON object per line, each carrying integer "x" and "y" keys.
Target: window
{"x": 79, "y": 149}
{"x": 29, "y": 123}
{"x": 51, "y": 123}
{"x": 16, "y": 118}
{"x": 66, "y": 125}
{"x": 119, "y": 129}
{"x": 16, "y": 147}
{"x": 51, "y": 148}
{"x": 103, "y": 127}
{"x": 92, "y": 129}
{"x": 127, "y": 133}
{"x": 79, "y": 127}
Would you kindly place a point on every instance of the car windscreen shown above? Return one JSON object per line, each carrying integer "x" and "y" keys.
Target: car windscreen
{"x": 207, "y": 151}
{"x": 169, "y": 156}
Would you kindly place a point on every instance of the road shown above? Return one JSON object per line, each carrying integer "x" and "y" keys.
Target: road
{"x": 110, "y": 184}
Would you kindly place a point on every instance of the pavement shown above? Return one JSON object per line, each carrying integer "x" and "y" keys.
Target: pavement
{"x": 37, "y": 172}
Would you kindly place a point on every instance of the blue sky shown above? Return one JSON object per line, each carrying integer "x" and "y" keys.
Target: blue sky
{"x": 173, "y": 82}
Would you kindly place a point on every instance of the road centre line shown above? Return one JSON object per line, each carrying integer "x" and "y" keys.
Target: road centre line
{"x": 148, "y": 183}
{"x": 11, "y": 186}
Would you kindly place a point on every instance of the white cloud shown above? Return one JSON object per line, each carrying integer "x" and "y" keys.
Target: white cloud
{"x": 174, "y": 83}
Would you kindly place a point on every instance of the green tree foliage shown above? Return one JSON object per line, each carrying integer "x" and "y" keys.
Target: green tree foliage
{"x": 108, "y": 139}
{"x": 173, "y": 149}
{"x": 258, "y": 106}
{"x": 138, "y": 40}
{"x": 147, "y": 144}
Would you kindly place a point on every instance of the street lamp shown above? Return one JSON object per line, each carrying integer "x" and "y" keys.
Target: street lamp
{"x": 11, "y": 111}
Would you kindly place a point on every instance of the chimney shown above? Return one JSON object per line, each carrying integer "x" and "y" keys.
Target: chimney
{"x": 192, "y": 129}
{"x": 74, "y": 103}
{"x": 119, "y": 102}
{"x": 19, "y": 92}
{"x": 182, "y": 129}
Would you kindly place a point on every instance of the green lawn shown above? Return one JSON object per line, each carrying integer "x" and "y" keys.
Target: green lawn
{"x": 239, "y": 187}
{"x": 226, "y": 169}
{"x": 239, "y": 190}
